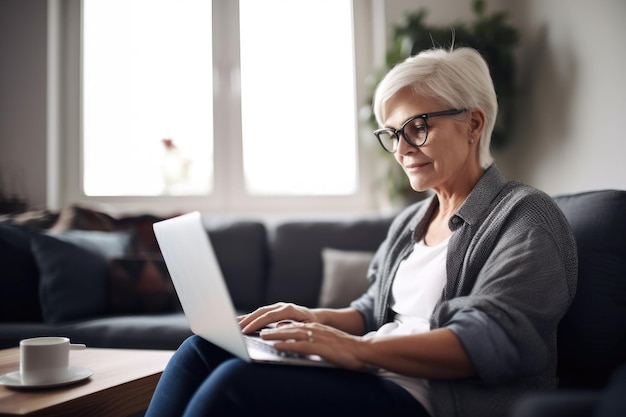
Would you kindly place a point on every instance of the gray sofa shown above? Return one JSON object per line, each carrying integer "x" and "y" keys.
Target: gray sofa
{"x": 118, "y": 294}
{"x": 592, "y": 335}
{"x": 101, "y": 281}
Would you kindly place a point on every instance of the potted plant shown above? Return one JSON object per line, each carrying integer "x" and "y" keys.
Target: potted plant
{"x": 491, "y": 35}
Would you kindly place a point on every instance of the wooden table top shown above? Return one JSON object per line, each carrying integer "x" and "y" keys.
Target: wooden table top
{"x": 122, "y": 384}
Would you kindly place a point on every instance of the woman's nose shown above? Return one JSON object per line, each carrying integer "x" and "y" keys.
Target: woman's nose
{"x": 404, "y": 148}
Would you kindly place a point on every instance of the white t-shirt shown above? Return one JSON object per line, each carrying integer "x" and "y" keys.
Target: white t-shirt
{"x": 417, "y": 287}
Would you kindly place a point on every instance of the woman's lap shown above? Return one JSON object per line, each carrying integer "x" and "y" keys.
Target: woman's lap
{"x": 205, "y": 380}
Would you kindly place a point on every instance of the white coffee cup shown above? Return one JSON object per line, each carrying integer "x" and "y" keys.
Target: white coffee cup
{"x": 45, "y": 360}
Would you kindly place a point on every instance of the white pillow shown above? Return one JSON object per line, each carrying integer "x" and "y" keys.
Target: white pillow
{"x": 344, "y": 276}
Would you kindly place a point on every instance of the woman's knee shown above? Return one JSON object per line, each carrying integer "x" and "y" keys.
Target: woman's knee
{"x": 192, "y": 342}
{"x": 229, "y": 390}
{"x": 198, "y": 357}
{"x": 235, "y": 375}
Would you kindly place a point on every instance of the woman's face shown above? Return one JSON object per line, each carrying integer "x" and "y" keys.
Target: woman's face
{"x": 449, "y": 158}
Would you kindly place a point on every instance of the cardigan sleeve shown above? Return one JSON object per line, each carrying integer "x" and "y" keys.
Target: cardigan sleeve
{"x": 366, "y": 302}
{"x": 506, "y": 320}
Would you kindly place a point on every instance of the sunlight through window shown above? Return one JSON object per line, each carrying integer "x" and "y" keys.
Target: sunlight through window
{"x": 298, "y": 97}
{"x": 147, "y": 98}
{"x": 147, "y": 92}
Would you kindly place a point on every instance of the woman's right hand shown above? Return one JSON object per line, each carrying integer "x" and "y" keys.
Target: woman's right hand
{"x": 275, "y": 313}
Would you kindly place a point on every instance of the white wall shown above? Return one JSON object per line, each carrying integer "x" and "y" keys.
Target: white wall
{"x": 440, "y": 12}
{"x": 23, "y": 27}
{"x": 573, "y": 102}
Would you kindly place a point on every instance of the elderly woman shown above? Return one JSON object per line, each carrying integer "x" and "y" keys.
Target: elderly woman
{"x": 466, "y": 291}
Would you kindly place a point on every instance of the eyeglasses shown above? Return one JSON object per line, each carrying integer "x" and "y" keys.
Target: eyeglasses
{"x": 414, "y": 130}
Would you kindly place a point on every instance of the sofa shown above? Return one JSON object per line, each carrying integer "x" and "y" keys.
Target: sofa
{"x": 100, "y": 280}
{"x": 592, "y": 334}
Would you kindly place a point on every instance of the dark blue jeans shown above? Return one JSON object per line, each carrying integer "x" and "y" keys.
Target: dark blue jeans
{"x": 204, "y": 380}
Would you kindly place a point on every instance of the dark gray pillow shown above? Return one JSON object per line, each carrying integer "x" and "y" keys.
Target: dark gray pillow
{"x": 241, "y": 250}
{"x": 72, "y": 281}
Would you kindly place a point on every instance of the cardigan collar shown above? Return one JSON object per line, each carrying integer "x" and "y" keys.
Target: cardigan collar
{"x": 471, "y": 211}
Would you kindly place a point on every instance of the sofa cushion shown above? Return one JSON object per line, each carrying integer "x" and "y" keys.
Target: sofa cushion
{"x": 612, "y": 402}
{"x": 140, "y": 285}
{"x": 592, "y": 335}
{"x": 241, "y": 250}
{"x": 345, "y": 276}
{"x": 296, "y": 253}
{"x": 73, "y": 280}
{"x": 11, "y": 333}
{"x": 19, "y": 277}
{"x": 155, "y": 331}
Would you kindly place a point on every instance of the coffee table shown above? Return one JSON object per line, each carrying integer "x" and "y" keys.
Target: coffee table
{"x": 122, "y": 385}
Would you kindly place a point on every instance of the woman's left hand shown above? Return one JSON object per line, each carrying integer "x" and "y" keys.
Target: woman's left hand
{"x": 327, "y": 342}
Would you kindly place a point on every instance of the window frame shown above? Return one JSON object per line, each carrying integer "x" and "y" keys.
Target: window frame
{"x": 228, "y": 196}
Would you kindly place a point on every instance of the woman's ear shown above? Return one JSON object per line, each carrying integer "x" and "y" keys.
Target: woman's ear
{"x": 476, "y": 124}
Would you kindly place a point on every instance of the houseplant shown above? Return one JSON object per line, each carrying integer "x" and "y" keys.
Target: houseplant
{"x": 490, "y": 34}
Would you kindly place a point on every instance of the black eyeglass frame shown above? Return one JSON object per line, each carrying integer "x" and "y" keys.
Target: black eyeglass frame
{"x": 400, "y": 132}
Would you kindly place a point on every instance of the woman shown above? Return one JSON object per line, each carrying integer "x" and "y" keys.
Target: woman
{"x": 466, "y": 291}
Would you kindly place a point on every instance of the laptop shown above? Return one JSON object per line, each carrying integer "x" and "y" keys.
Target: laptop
{"x": 204, "y": 296}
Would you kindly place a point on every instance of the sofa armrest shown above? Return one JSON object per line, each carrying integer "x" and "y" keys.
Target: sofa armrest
{"x": 607, "y": 402}
{"x": 561, "y": 403}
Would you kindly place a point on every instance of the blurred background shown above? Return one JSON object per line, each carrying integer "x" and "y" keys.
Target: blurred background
{"x": 260, "y": 107}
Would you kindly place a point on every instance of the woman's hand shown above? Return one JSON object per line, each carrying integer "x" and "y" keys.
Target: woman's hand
{"x": 279, "y": 313}
{"x": 440, "y": 353}
{"x": 312, "y": 332}
{"x": 327, "y": 342}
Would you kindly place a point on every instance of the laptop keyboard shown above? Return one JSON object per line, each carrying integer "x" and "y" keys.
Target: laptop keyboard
{"x": 259, "y": 344}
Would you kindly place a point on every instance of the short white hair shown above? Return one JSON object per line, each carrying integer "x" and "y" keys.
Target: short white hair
{"x": 457, "y": 78}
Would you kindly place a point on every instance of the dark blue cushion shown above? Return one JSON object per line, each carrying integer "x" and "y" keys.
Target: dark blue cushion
{"x": 19, "y": 277}
{"x": 73, "y": 280}
{"x": 592, "y": 335}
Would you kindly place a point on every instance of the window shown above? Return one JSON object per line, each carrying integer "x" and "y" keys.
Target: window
{"x": 298, "y": 99}
{"x": 226, "y": 106}
{"x": 147, "y": 98}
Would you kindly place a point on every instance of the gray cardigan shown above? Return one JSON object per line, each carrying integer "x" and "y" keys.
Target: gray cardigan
{"x": 511, "y": 275}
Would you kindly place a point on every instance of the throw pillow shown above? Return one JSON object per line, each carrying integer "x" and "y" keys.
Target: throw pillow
{"x": 144, "y": 241}
{"x": 19, "y": 277}
{"x": 35, "y": 219}
{"x": 141, "y": 286}
{"x": 107, "y": 244}
{"x": 72, "y": 281}
{"x": 344, "y": 276}
{"x": 83, "y": 218}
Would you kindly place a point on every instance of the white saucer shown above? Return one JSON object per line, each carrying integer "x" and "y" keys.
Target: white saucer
{"x": 75, "y": 374}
